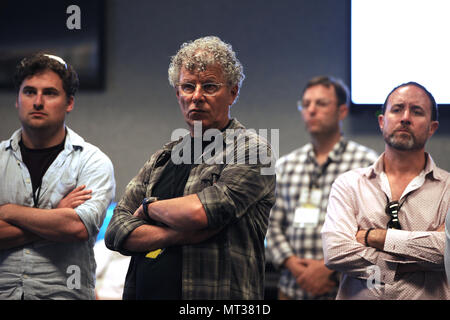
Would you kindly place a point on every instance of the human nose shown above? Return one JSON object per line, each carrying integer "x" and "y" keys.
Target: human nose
{"x": 198, "y": 93}
{"x": 38, "y": 103}
{"x": 406, "y": 117}
{"x": 311, "y": 108}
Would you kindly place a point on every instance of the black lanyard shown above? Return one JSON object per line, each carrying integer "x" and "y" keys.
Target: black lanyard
{"x": 315, "y": 176}
{"x": 37, "y": 196}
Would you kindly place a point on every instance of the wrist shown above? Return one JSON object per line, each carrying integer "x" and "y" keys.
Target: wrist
{"x": 145, "y": 203}
{"x": 4, "y": 212}
{"x": 292, "y": 263}
{"x": 376, "y": 238}
{"x": 366, "y": 237}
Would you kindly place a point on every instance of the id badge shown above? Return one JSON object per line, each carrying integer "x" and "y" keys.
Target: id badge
{"x": 315, "y": 197}
{"x": 307, "y": 216}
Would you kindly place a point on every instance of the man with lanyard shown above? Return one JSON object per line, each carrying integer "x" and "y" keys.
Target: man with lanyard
{"x": 195, "y": 229}
{"x": 304, "y": 179}
{"x": 384, "y": 228}
{"x": 54, "y": 191}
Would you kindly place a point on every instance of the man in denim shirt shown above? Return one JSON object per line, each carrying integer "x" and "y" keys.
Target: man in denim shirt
{"x": 54, "y": 190}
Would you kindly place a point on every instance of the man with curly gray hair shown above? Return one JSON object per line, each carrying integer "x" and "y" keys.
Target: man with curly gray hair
{"x": 203, "y": 52}
{"x": 197, "y": 57}
{"x": 196, "y": 230}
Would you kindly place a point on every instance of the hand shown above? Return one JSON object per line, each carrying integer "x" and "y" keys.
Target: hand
{"x": 75, "y": 198}
{"x": 139, "y": 213}
{"x": 315, "y": 278}
{"x": 294, "y": 265}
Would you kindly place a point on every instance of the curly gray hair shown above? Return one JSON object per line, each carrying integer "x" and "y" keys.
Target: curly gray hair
{"x": 203, "y": 52}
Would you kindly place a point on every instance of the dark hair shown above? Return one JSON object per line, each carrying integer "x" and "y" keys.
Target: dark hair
{"x": 40, "y": 62}
{"x": 434, "y": 106}
{"x": 342, "y": 92}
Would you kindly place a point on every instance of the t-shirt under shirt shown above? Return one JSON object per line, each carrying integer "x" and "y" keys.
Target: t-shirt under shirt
{"x": 37, "y": 162}
{"x": 160, "y": 278}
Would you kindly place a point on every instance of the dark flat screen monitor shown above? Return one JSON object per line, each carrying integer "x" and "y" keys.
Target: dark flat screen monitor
{"x": 54, "y": 27}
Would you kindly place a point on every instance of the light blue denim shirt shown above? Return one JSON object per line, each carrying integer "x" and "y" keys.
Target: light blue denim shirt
{"x": 46, "y": 269}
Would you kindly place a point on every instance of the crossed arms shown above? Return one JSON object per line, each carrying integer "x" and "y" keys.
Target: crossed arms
{"x": 393, "y": 251}
{"x": 184, "y": 217}
{"x": 20, "y": 225}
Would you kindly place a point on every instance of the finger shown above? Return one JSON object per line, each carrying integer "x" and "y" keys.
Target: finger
{"x": 82, "y": 192}
{"x": 79, "y": 188}
{"x": 304, "y": 262}
{"x": 82, "y": 197}
{"x": 77, "y": 203}
{"x": 78, "y": 194}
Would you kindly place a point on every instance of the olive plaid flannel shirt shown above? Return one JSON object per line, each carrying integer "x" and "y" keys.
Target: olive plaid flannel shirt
{"x": 237, "y": 197}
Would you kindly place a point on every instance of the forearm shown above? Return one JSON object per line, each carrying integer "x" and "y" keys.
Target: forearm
{"x": 52, "y": 224}
{"x": 413, "y": 246}
{"x": 182, "y": 214}
{"x": 345, "y": 254}
{"x": 278, "y": 245}
{"x": 150, "y": 237}
{"x": 12, "y": 236}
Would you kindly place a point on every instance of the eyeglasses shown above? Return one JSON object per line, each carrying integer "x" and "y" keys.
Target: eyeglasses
{"x": 209, "y": 88}
{"x": 392, "y": 209}
{"x": 319, "y": 103}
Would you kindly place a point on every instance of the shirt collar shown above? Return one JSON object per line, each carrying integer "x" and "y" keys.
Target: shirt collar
{"x": 429, "y": 171}
{"x": 335, "y": 154}
{"x": 73, "y": 141}
{"x": 234, "y": 124}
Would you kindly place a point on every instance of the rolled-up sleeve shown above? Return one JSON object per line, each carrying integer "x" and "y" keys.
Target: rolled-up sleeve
{"x": 98, "y": 175}
{"x": 123, "y": 222}
{"x": 238, "y": 188}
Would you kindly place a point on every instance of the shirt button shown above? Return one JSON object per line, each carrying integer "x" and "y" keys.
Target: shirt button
{"x": 27, "y": 251}
{"x": 27, "y": 181}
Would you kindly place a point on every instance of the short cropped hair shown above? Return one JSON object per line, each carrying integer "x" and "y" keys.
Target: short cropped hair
{"x": 204, "y": 52}
{"x": 341, "y": 90}
{"x": 40, "y": 62}
{"x": 434, "y": 106}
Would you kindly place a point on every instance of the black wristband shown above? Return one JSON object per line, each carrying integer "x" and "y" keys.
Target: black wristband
{"x": 366, "y": 236}
{"x": 145, "y": 203}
